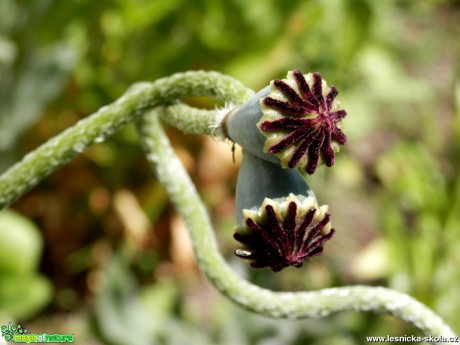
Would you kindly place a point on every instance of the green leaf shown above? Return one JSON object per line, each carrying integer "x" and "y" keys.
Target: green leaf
{"x": 20, "y": 244}
{"x": 23, "y": 296}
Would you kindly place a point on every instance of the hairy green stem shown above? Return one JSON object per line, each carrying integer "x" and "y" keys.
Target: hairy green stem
{"x": 95, "y": 128}
{"x": 199, "y": 121}
{"x": 292, "y": 305}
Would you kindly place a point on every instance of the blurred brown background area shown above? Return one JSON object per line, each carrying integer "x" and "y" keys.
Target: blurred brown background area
{"x": 113, "y": 249}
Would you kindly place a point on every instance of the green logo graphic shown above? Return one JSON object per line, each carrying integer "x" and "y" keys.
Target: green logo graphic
{"x": 17, "y": 334}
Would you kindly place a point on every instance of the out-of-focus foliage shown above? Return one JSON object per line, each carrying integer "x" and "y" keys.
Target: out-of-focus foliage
{"x": 32, "y": 74}
{"x": 23, "y": 291}
{"x": 394, "y": 192}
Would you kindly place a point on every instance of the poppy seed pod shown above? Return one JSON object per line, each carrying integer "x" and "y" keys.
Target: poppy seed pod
{"x": 295, "y": 122}
{"x": 302, "y": 121}
{"x": 240, "y": 126}
{"x": 259, "y": 179}
{"x": 284, "y": 232}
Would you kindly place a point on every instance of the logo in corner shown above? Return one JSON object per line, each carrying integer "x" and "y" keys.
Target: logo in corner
{"x": 18, "y": 334}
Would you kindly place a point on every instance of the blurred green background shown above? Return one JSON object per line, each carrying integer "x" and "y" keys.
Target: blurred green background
{"x": 99, "y": 251}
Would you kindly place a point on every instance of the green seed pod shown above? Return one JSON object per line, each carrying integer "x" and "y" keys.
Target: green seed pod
{"x": 295, "y": 122}
{"x": 259, "y": 179}
{"x": 240, "y": 126}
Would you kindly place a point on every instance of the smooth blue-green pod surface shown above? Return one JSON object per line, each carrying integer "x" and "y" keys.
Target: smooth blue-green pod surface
{"x": 259, "y": 179}
{"x": 241, "y": 127}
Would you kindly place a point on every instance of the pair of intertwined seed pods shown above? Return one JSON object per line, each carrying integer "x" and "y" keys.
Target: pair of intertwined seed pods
{"x": 286, "y": 130}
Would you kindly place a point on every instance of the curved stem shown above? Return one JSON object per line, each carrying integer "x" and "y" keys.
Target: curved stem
{"x": 292, "y": 305}
{"x": 199, "y": 121}
{"x": 95, "y": 128}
